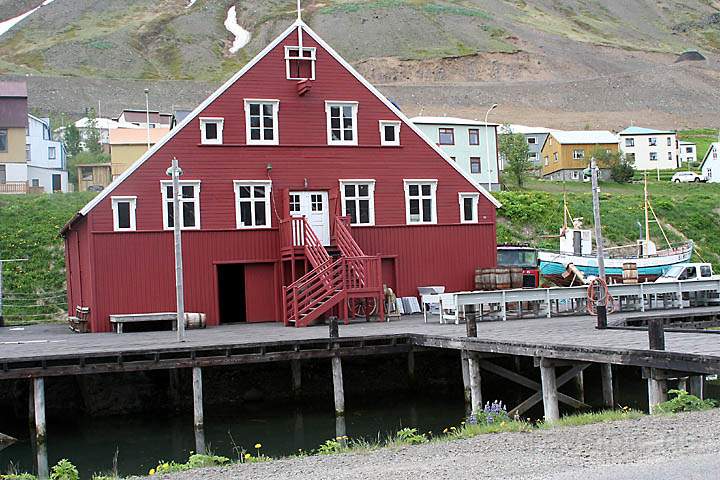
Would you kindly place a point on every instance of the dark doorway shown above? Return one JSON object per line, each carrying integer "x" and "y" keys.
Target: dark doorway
{"x": 231, "y": 293}
{"x": 56, "y": 183}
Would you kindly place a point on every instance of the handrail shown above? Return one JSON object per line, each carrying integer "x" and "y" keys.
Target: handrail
{"x": 297, "y": 232}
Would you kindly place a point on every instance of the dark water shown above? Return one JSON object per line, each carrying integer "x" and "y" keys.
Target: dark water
{"x": 142, "y": 441}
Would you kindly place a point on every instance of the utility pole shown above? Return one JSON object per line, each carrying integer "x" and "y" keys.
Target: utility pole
{"x": 147, "y": 116}
{"x": 601, "y": 307}
{"x": 175, "y": 172}
{"x": 487, "y": 147}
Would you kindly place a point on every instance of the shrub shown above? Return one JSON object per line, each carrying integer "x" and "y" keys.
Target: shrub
{"x": 18, "y": 476}
{"x": 408, "y": 436}
{"x": 684, "y": 402}
{"x": 196, "y": 460}
{"x": 331, "y": 447}
{"x": 64, "y": 470}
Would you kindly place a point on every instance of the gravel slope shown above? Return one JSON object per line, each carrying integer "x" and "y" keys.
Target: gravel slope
{"x": 627, "y": 449}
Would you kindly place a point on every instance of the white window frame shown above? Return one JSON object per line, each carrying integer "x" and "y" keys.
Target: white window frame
{"x": 534, "y": 140}
{"x": 650, "y": 156}
{"x": 476, "y": 201}
{"x": 276, "y": 131}
{"x": 252, "y": 183}
{"x": 341, "y": 103}
{"x": 219, "y": 121}
{"x": 652, "y": 141}
{"x": 390, "y": 123}
{"x": 54, "y": 153}
{"x": 533, "y": 156}
{"x": 183, "y": 183}
{"x": 580, "y": 151}
{"x": 433, "y": 196}
{"x": 370, "y": 182}
{"x": 289, "y": 57}
{"x": 132, "y": 200}
{"x": 630, "y": 142}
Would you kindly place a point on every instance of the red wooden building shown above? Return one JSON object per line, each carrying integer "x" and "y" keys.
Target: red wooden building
{"x": 303, "y": 188}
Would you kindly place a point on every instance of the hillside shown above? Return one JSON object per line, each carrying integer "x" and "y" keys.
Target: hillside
{"x": 599, "y": 63}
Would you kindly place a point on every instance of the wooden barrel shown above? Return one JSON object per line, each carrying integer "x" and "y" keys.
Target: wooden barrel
{"x": 516, "y": 277}
{"x": 194, "y": 320}
{"x": 489, "y": 279}
{"x": 479, "y": 279}
{"x": 630, "y": 273}
{"x": 502, "y": 278}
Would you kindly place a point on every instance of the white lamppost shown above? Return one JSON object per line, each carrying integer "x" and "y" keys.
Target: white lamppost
{"x": 487, "y": 146}
{"x": 147, "y": 116}
{"x": 176, "y": 172}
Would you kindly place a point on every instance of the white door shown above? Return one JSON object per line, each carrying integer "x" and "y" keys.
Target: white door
{"x": 314, "y": 206}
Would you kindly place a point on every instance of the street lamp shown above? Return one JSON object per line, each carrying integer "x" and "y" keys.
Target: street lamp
{"x": 147, "y": 116}
{"x": 176, "y": 172}
{"x": 487, "y": 145}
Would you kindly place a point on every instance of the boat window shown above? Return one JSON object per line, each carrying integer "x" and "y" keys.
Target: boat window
{"x": 674, "y": 271}
{"x": 705, "y": 271}
{"x": 689, "y": 273}
{"x": 525, "y": 258}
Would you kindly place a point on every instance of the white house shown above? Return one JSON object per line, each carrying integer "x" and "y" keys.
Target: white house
{"x": 649, "y": 149}
{"x": 710, "y": 166}
{"x": 45, "y": 158}
{"x": 472, "y": 144}
{"x": 688, "y": 152}
{"x": 535, "y": 138}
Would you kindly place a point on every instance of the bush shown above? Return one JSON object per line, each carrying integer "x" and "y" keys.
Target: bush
{"x": 195, "y": 461}
{"x": 408, "y": 436}
{"x": 64, "y": 470}
{"x": 684, "y": 402}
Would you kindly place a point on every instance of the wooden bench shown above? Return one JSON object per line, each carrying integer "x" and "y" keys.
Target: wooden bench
{"x": 79, "y": 322}
{"x": 117, "y": 321}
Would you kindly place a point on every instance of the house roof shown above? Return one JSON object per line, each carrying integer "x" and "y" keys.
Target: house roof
{"x": 180, "y": 114}
{"x": 195, "y": 113}
{"x": 450, "y": 121}
{"x": 13, "y": 89}
{"x": 525, "y": 130}
{"x": 13, "y": 105}
{"x": 713, "y": 146}
{"x": 582, "y": 137}
{"x": 644, "y": 131}
{"x": 140, "y": 116}
{"x": 136, "y": 136}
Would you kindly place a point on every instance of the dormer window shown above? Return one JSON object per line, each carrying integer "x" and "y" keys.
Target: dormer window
{"x": 211, "y": 130}
{"x": 300, "y": 63}
{"x": 389, "y": 133}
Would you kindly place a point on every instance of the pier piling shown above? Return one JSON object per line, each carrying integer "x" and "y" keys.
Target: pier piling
{"x": 467, "y": 392}
{"x": 475, "y": 386}
{"x": 696, "y": 385}
{"x": 338, "y": 390}
{"x": 606, "y": 377}
{"x": 549, "y": 390}
{"x": 40, "y": 428}
{"x": 657, "y": 392}
{"x": 198, "y": 422}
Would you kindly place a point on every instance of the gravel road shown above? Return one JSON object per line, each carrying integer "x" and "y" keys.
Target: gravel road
{"x": 682, "y": 446}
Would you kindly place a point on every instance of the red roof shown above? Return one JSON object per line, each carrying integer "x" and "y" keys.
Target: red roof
{"x": 13, "y": 89}
{"x": 13, "y": 105}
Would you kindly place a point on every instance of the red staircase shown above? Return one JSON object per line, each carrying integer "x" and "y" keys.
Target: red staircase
{"x": 330, "y": 283}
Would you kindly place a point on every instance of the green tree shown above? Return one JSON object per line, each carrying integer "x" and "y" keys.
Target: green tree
{"x": 621, "y": 169}
{"x": 92, "y": 135}
{"x": 71, "y": 139}
{"x": 514, "y": 151}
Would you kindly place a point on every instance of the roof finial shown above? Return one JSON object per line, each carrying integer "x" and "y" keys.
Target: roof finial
{"x": 298, "y": 10}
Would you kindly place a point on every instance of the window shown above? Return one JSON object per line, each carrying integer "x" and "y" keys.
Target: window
{"x": 51, "y": 153}
{"x": 574, "y": 175}
{"x": 547, "y": 160}
{"x": 533, "y": 156}
{"x": 358, "y": 201}
{"x": 252, "y": 203}
{"x": 3, "y": 140}
{"x": 579, "y": 154}
{"x": 341, "y": 123}
{"x": 261, "y": 122}
{"x": 299, "y": 63}
{"x": 294, "y": 203}
{"x": 453, "y": 159}
{"x": 420, "y": 201}
{"x": 475, "y": 165}
{"x": 211, "y": 131}
{"x": 705, "y": 271}
{"x": 669, "y": 141}
{"x": 688, "y": 149}
{"x": 555, "y": 157}
{"x": 124, "y": 213}
{"x": 389, "y": 133}
{"x": 474, "y": 136}
{"x": 189, "y": 204}
{"x": 652, "y": 141}
{"x": 531, "y": 140}
{"x": 446, "y": 136}
{"x": 86, "y": 174}
{"x": 653, "y": 156}
{"x": 469, "y": 207}
{"x": 670, "y": 156}
{"x": 630, "y": 142}
{"x": 35, "y": 182}
{"x": 27, "y": 152}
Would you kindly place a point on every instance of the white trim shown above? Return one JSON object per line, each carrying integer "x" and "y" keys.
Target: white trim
{"x": 311, "y": 58}
{"x": 252, "y": 183}
{"x": 276, "y": 131}
{"x": 231, "y": 81}
{"x": 219, "y": 121}
{"x": 165, "y": 200}
{"x": 433, "y": 196}
{"x": 390, "y": 123}
{"x": 371, "y": 197}
{"x": 341, "y": 103}
{"x": 472, "y": 195}
{"x": 116, "y": 219}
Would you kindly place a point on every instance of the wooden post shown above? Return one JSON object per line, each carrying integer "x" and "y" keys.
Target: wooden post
{"x": 656, "y": 392}
{"x": 333, "y": 328}
{"x": 198, "y": 410}
{"x": 580, "y": 385}
{"x": 467, "y": 392}
{"x": 470, "y": 325}
{"x": 340, "y": 430}
{"x": 339, "y": 392}
{"x": 656, "y": 334}
{"x": 696, "y": 384}
{"x": 475, "y": 387}
{"x": 43, "y": 470}
{"x": 606, "y": 377}
{"x": 549, "y": 390}
{"x": 296, "y": 378}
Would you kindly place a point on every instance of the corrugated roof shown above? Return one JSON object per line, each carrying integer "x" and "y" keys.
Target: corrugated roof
{"x": 644, "y": 131}
{"x": 13, "y": 89}
{"x": 136, "y": 136}
{"x": 449, "y": 121}
{"x": 578, "y": 137}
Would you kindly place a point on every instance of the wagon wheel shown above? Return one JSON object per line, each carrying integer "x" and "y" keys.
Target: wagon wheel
{"x": 364, "y": 307}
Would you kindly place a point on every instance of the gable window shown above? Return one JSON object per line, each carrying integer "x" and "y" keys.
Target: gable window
{"x": 123, "y": 213}
{"x": 420, "y": 202}
{"x": 446, "y": 136}
{"x": 475, "y": 165}
{"x": 469, "y": 207}
{"x": 51, "y": 153}
{"x": 358, "y": 201}
{"x": 653, "y": 156}
{"x": 630, "y": 142}
{"x": 299, "y": 63}
{"x": 531, "y": 140}
{"x": 474, "y": 136}
{"x": 189, "y": 204}
{"x": 341, "y": 123}
{"x": 652, "y": 141}
{"x": 555, "y": 157}
{"x": 578, "y": 154}
{"x": 261, "y": 122}
{"x": 252, "y": 203}
{"x": 389, "y": 133}
{"x": 211, "y": 131}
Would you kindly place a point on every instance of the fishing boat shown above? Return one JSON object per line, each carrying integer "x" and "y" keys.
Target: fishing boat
{"x": 576, "y": 262}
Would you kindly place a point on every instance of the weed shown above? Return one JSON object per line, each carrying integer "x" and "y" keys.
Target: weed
{"x": 196, "y": 460}
{"x": 407, "y": 436}
{"x": 64, "y": 470}
{"x": 594, "y": 417}
{"x": 684, "y": 402}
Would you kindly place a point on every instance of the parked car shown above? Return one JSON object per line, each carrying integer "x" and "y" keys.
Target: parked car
{"x": 683, "y": 177}
{"x": 688, "y": 271}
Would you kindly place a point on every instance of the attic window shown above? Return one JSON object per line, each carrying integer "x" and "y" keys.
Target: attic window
{"x": 211, "y": 130}
{"x": 300, "y": 63}
{"x": 389, "y": 133}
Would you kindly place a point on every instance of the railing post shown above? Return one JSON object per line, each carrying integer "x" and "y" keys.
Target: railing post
{"x": 547, "y": 300}
{"x": 679, "y": 293}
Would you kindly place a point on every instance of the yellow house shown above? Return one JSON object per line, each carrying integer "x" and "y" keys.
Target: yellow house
{"x": 565, "y": 155}
{"x": 13, "y": 131}
{"x": 129, "y": 144}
